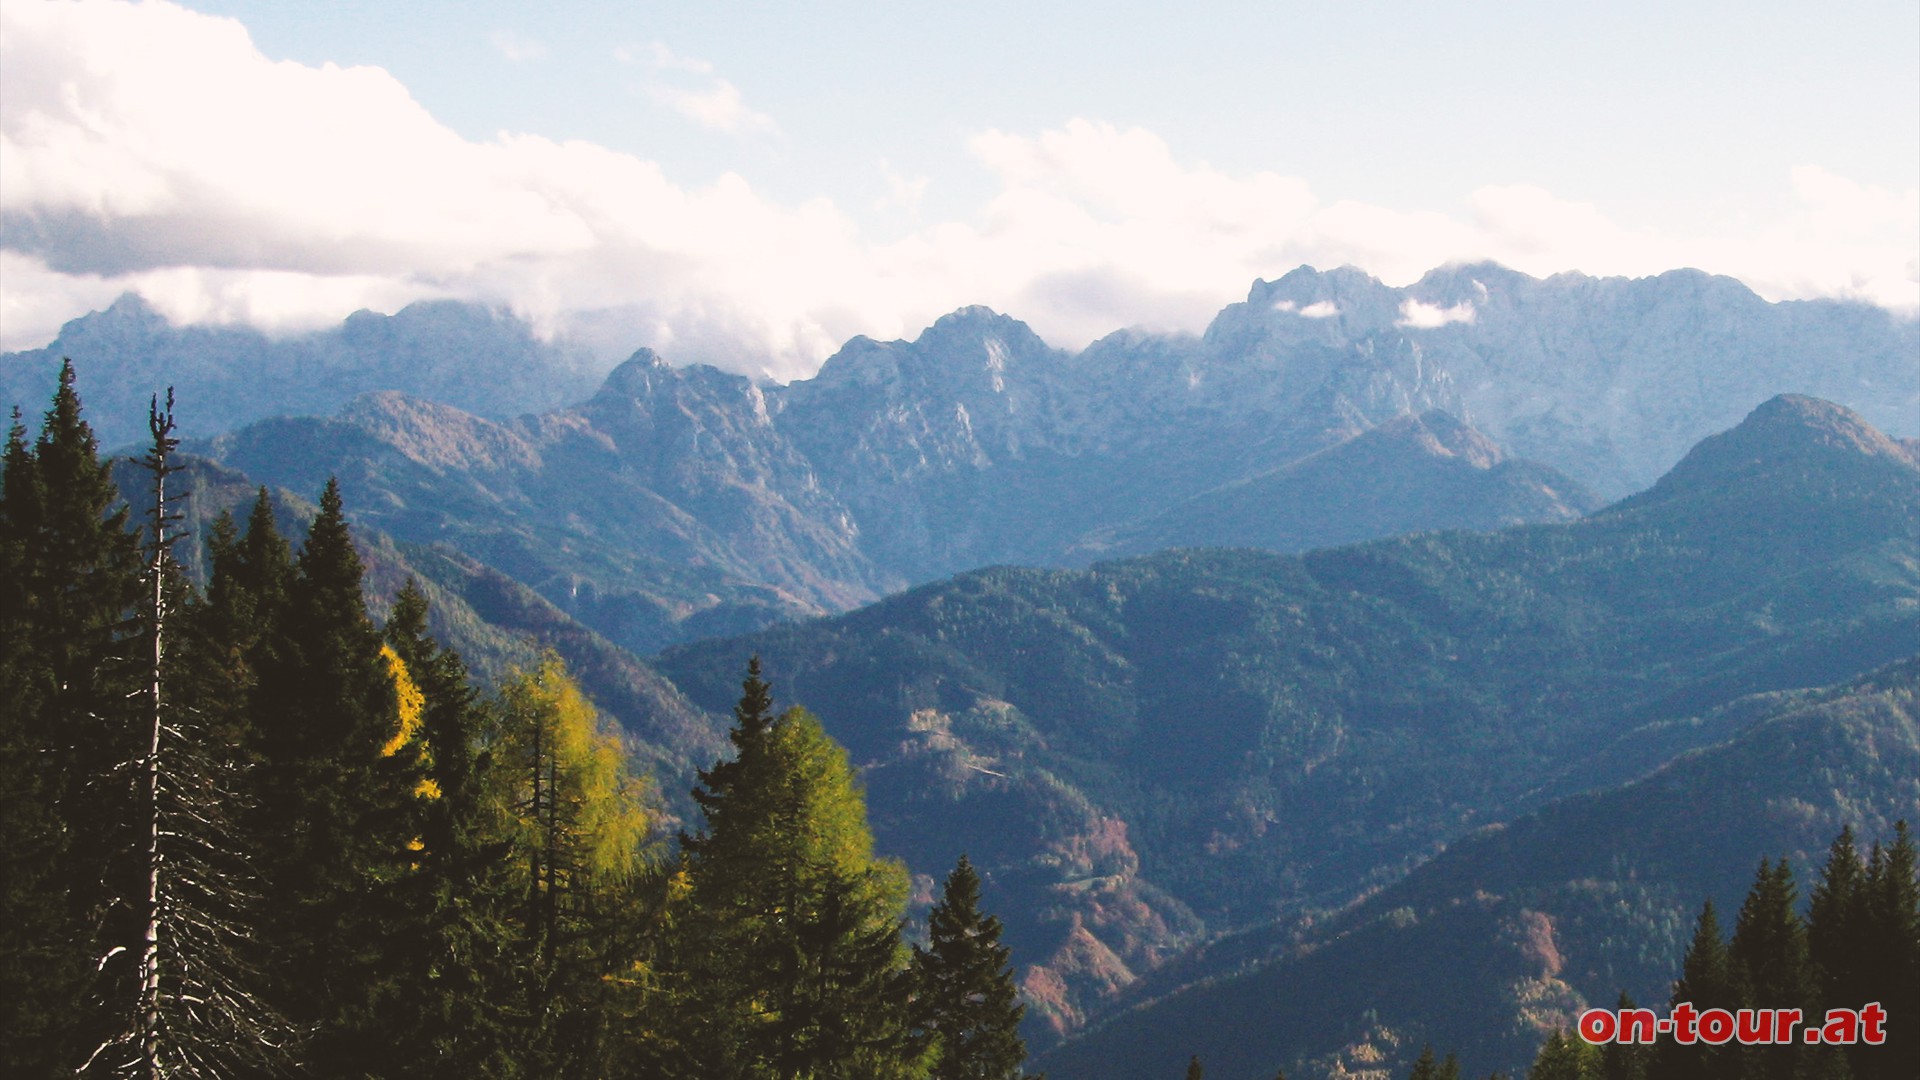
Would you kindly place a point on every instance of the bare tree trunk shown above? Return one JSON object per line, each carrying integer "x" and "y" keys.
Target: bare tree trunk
{"x": 161, "y": 424}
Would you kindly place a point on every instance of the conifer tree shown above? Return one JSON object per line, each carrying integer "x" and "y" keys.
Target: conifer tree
{"x": 1707, "y": 983}
{"x": 191, "y": 1003}
{"x": 1768, "y": 963}
{"x": 1836, "y": 921}
{"x": 333, "y": 819}
{"x": 1768, "y": 954}
{"x": 1565, "y": 1057}
{"x": 68, "y": 581}
{"x": 39, "y": 979}
{"x": 246, "y": 599}
{"x": 1891, "y": 966}
{"x": 72, "y": 582}
{"x": 579, "y": 822}
{"x": 448, "y": 1007}
{"x": 1426, "y": 1068}
{"x": 1195, "y": 1071}
{"x": 1623, "y": 1060}
{"x": 787, "y": 961}
{"x": 963, "y": 990}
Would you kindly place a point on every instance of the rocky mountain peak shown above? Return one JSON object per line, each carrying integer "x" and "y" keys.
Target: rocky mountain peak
{"x": 637, "y": 375}
{"x": 975, "y": 334}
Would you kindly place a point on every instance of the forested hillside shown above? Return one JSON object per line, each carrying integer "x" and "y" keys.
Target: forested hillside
{"x": 249, "y": 831}
{"x": 1210, "y": 739}
{"x": 1517, "y": 927}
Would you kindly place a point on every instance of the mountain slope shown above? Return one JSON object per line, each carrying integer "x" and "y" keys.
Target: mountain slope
{"x": 1245, "y": 736}
{"x": 1517, "y": 927}
{"x": 1409, "y": 474}
{"x": 494, "y": 622}
{"x": 663, "y": 507}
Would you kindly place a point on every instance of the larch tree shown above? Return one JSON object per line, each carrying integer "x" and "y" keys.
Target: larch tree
{"x": 580, "y": 823}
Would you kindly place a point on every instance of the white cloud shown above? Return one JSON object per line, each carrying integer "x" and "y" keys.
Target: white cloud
{"x": 904, "y": 193}
{"x": 718, "y": 106}
{"x": 1319, "y": 309}
{"x": 1423, "y": 316}
{"x": 656, "y": 55}
{"x": 517, "y": 49}
{"x": 688, "y": 86}
{"x": 152, "y": 148}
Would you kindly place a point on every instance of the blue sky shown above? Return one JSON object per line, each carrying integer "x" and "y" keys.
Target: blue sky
{"x": 751, "y": 183}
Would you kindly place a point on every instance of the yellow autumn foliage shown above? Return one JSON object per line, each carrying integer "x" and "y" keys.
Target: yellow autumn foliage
{"x": 412, "y": 703}
{"x": 554, "y": 736}
{"x": 409, "y": 714}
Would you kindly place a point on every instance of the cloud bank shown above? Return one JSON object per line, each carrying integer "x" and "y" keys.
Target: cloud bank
{"x": 149, "y": 148}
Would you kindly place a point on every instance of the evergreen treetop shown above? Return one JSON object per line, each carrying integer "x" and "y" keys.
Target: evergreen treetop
{"x": 964, "y": 993}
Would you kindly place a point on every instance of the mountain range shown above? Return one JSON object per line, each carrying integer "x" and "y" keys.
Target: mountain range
{"x": 1192, "y": 778}
{"x": 676, "y": 503}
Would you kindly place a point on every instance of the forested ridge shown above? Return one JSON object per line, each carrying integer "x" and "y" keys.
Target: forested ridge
{"x": 1158, "y": 751}
{"x": 249, "y": 831}
{"x": 260, "y": 822}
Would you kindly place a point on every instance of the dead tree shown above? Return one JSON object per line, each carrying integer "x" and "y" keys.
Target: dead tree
{"x": 191, "y": 1009}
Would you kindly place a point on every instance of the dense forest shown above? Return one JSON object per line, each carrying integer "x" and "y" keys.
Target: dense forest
{"x": 249, "y": 832}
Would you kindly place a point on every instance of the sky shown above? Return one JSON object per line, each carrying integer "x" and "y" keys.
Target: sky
{"x": 750, "y": 184}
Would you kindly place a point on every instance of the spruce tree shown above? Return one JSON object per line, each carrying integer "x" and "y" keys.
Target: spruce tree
{"x": 42, "y": 970}
{"x": 963, "y": 989}
{"x": 787, "y": 959}
{"x": 70, "y": 667}
{"x": 1891, "y": 967}
{"x": 1195, "y": 1071}
{"x": 246, "y": 600}
{"x": 1768, "y": 961}
{"x": 1565, "y": 1057}
{"x": 191, "y": 1003}
{"x": 1836, "y": 921}
{"x": 1707, "y": 983}
{"x": 334, "y": 816}
{"x": 1623, "y": 1060}
{"x": 448, "y": 1007}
